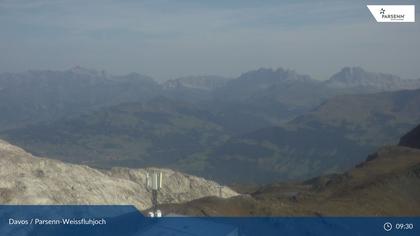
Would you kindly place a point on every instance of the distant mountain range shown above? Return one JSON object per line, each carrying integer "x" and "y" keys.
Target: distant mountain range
{"x": 357, "y": 78}
{"x": 268, "y": 96}
{"x": 277, "y": 124}
{"x": 37, "y": 96}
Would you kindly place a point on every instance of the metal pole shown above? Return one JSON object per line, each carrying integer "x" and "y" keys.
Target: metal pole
{"x": 220, "y": 190}
{"x": 155, "y": 200}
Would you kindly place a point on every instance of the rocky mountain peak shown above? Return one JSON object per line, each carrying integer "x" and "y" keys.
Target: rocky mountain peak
{"x": 357, "y": 77}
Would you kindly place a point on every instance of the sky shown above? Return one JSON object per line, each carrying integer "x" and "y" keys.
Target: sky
{"x": 173, "y": 38}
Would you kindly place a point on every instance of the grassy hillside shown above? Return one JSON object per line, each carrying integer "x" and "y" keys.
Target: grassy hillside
{"x": 332, "y": 138}
{"x": 157, "y": 133}
{"x": 386, "y": 184}
{"x": 370, "y": 118}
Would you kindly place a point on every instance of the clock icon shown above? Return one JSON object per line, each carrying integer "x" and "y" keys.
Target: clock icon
{"x": 387, "y": 226}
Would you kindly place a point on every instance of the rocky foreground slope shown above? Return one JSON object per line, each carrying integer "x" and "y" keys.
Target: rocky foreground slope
{"x": 26, "y": 179}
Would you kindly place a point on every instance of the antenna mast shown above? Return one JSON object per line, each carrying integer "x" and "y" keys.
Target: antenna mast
{"x": 154, "y": 181}
{"x": 220, "y": 187}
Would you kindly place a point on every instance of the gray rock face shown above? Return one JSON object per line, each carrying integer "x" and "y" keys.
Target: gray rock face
{"x": 25, "y": 179}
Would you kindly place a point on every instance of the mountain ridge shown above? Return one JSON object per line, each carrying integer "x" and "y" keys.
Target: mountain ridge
{"x": 358, "y": 78}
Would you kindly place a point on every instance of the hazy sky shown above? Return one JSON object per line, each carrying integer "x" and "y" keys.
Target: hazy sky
{"x": 171, "y": 38}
